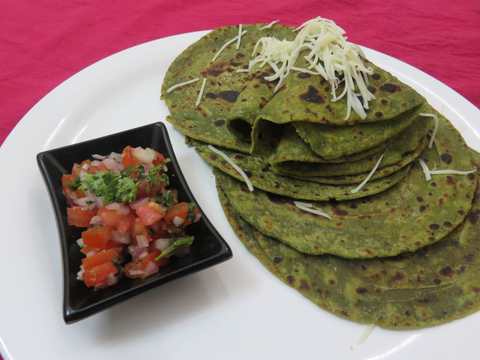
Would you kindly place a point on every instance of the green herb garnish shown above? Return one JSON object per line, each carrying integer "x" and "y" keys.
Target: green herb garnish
{"x": 75, "y": 184}
{"x": 156, "y": 176}
{"x": 167, "y": 198}
{"x": 191, "y": 212}
{"x": 177, "y": 244}
{"x": 110, "y": 187}
{"x": 126, "y": 190}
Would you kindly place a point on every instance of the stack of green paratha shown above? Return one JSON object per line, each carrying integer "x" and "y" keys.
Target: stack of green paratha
{"x": 342, "y": 209}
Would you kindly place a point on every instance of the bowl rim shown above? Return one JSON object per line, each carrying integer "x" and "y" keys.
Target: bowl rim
{"x": 73, "y": 315}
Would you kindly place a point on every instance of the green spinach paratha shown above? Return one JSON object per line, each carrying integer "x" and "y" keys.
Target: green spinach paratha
{"x": 411, "y": 215}
{"x": 435, "y": 285}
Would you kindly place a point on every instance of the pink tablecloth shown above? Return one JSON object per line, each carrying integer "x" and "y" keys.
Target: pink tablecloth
{"x": 44, "y": 42}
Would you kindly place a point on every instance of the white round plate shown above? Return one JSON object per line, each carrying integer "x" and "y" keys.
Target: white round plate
{"x": 236, "y": 310}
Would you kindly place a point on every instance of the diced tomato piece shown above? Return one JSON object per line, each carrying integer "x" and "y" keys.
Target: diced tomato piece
{"x": 101, "y": 257}
{"x": 139, "y": 228}
{"x": 98, "y": 275}
{"x": 125, "y": 223}
{"x": 87, "y": 249}
{"x": 97, "y": 237}
{"x": 110, "y": 245}
{"x": 150, "y": 213}
{"x": 114, "y": 219}
{"x": 76, "y": 216}
{"x": 76, "y": 169}
{"x": 178, "y": 210}
{"x": 109, "y": 217}
{"x": 159, "y": 158}
{"x": 92, "y": 169}
{"x": 67, "y": 180}
{"x": 128, "y": 159}
{"x": 140, "y": 267}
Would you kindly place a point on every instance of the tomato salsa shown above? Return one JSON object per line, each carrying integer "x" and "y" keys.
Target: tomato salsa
{"x": 132, "y": 220}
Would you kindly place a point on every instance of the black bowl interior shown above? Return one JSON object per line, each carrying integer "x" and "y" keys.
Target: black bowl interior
{"x": 208, "y": 248}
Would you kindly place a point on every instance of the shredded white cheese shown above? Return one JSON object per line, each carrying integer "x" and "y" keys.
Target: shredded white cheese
{"x": 307, "y": 207}
{"x": 224, "y": 46}
{"x": 306, "y": 71}
{"x": 369, "y": 176}
{"x": 428, "y": 173}
{"x": 171, "y": 88}
{"x": 242, "y": 70}
{"x": 435, "y": 128}
{"x": 328, "y": 54}
{"x": 268, "y": 26}
{"x": 200, "y": 93}
{"x": 239, "y": 36}
{"x": 425, "y": 169}
{"x": 235, "y": 166}
{"x": 452, "y": 172}
{"x": 364, "y": 336}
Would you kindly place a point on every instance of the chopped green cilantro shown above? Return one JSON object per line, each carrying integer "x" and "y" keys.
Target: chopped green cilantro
{"x": 75, "y": 184}
{"x": 126, "y": 190}
{"x": 156, "y": 176}
{"x": 167, "y": 198}
{"x": 110, "y": 187}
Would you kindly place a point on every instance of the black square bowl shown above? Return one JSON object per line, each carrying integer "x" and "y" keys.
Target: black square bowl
{"x": 79, "y": 302}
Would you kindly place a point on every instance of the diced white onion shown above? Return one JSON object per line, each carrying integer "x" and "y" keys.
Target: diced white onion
{"x": 80, "y": 274}
{"x": 307, "y": 207}
{"x": 151, "y": 268}
{"x": 120, "y": 237}
{"x": 142, "y": 241}
{"x": 87, "y": 202}
{"x": 136, "y": 251}
{"x": 177, "y": 221}
{"x": 113, "y": 206}
{"x": 139, "y": 203}
{"x": 113, "y": 165}
{"x": 98, "y": 157}
{"x": 369, "y": 176}
{"x": 80, "y": 243}
{"x": 146, "y": 156}
{"x": 235, "y": 166}
{"x": 135, "y": 272}
{"x": 171, "y": 88}
{"x": 435, "y": 128}
{"x": 161, "y": 244}
{"x": 115, "y": 156}
{"x": 200, "y": 93}
{"x": 112, "y": 279}
{"x": 96, "y": 220}
{"x": 118, "y": 207}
